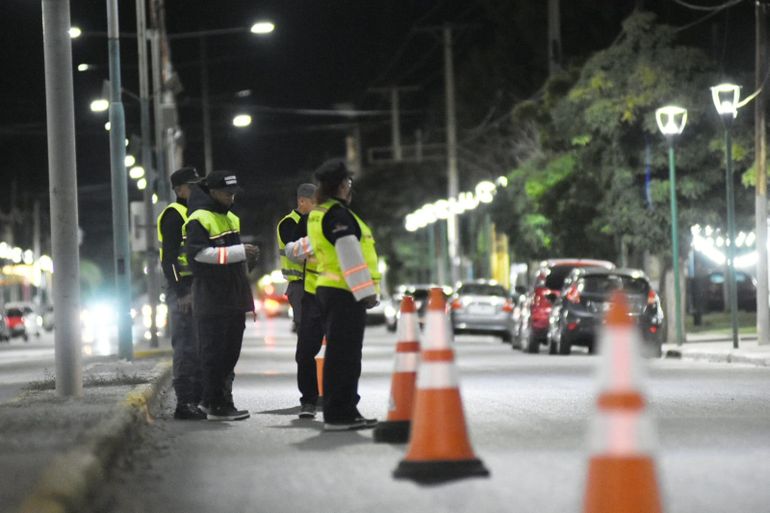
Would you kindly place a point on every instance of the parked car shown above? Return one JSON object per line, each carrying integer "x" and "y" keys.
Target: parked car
{"x": 419, "y": 292}
{"x": 16, "y": 323}
{"x": 579, "y": 312}
{"x": 33, "y": 321}
{"x": 708, "y": 291}
{"x": 548, "y": 280}
{"x": 484, "y": 307}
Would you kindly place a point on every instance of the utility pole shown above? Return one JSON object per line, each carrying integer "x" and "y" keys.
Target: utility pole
{"x": 207, "y": 150}
{"x": 60, "y": 118}
{"x": 395, "y": 117}
{"x": 453, "y": 234}
{"x": 151, "y": 255}
{"x": 119, "y": 189}
{"x": 157, "y": 90}
{"x": 760, "y": 152}
{"x": 554, "y": 37}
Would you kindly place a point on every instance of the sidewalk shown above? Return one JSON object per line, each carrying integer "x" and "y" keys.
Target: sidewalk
{"x": 54, "y": 451}
{"x": 718, "y": 347}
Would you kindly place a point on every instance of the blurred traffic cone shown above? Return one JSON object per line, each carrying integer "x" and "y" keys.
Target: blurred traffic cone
{"x": 439, "y": 449}
{"x": 396, "y": 427}
{"x": 319, "y": 367}
{"x": 621, "y": 472}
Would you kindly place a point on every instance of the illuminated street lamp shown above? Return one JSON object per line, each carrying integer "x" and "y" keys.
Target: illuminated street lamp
{"x": 242, "y": 120}
{"x": 99, "y": 105}
{"x": 262, "y": 27}
{"x": 671, "y": 121}
{"x": 726, "y": 100}
{"x": 75, "y": 32}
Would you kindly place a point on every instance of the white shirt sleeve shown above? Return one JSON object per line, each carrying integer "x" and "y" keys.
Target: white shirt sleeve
{"x": 354, "y": 268}
{"x": 222, "y": 255}
{"x": 298, "y": 250}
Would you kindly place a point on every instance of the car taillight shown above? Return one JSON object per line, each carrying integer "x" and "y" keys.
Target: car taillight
{"x": 573, "y": 295}
{"x": 652, "y": 297}
{"x": 456, "y": 304}
{"x": 508, "y": 306}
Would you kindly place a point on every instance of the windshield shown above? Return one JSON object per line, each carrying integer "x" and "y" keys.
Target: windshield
{"x": 555, "y": 278}
{"x": 481, "y": 289}
{"x": 604, "y": 284}
{"x": 13, "y": 312}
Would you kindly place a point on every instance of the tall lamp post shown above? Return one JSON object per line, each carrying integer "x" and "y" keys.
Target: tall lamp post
{"x": 726, "y": 100}
{"x": 671, "y": 121}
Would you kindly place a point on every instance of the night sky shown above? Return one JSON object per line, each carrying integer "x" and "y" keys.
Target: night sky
{"x": 323, "y": 53}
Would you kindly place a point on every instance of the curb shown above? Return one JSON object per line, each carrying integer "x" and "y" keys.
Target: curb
{"x": 66, "y": 483}
{"x": 719, "y": 357}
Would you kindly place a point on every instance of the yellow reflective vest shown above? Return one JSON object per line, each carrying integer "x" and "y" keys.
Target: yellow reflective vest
{"x": 330, "y": 273}
{"x": 292, "y": 271}
{"x": 182, "y": 267}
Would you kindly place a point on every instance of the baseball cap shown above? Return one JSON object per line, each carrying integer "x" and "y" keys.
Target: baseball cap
{"x": 306, "y": 190}
{"x": 184, "y": 175}
{"x": 223, "y": 180}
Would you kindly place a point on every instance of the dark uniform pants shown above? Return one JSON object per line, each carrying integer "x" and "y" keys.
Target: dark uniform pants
{"x": 187, "y": 369}
{"x": 309, "y": 337}
{"x": 344, "y": 323}
{"x": 220, "y": 339}
{"x": 295, "y": 291}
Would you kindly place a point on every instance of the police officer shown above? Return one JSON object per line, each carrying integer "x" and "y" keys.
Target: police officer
{"x": 221, "y": 289}
{"x": 310, "y": 332}
{"x": 173, "y": 260}
{"x": 348, "y": 284}
{"x": 293, "y": 271}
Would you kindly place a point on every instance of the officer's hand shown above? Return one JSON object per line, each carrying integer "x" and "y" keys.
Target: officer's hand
{"x": 370, "y": 302}
{"x": 252, "y": 252}
{"x": 184, "y": 304}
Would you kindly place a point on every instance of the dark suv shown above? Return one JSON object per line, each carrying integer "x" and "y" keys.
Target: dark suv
{"x": 547, "y": 284}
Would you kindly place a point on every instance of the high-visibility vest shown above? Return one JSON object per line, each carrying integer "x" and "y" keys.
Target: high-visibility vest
{"x": 292, "y": 271}
{"x": 311, "y": 274}
{"x": 216, "y": 224}
{"x": 330, "y": 272}
{"x": 182, "y": 267}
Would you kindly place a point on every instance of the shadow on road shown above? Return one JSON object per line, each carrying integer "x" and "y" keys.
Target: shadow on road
{"x": 325, "y": 441}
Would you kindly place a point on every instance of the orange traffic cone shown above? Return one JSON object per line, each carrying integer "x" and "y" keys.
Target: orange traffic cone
{"x": 396, "y": 427}
{"x": 319, "y": 367}
{"x": 439, "y": 449}
{"x": 621, "y": 472}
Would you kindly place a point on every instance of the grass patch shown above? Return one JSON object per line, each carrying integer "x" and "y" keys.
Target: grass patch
{"x": 720, "y": 322}
{"x": 120, "y": 378}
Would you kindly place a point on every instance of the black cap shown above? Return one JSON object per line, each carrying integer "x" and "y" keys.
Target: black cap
{"x": 332, "y": 172}
{"x": 184, "y": 175}
{"x": 225, "y": 180}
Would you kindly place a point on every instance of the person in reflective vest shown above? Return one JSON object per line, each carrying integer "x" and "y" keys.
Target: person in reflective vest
{"x": 310, "y": 328}
{"x": 221, "y": 289}
{"x": 294, "y": 271}
{"x": 173, "y": 261}
{"x": 347, "y": 285}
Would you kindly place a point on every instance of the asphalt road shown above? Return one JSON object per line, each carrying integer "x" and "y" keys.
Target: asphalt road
{"x": 527, "y": 416}
{"x": 22, "y": 362}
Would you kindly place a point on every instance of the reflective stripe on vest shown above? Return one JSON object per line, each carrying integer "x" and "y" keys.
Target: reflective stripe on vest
{"x": 182, "y": 267}
{"x": 329, "y": 270}
{"x": 292, "y": 271}
{"x": 216, "y": 225}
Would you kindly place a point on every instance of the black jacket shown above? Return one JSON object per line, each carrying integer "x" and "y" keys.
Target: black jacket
{"x": 217, "y": 288}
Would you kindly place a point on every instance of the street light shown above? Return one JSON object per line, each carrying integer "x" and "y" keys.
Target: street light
{"x": 99, "y": 105}
{"x": 671, "y": 121}
{"x": 75, "y": 32}
{"x": 262, "y": 27}
{"x": 726, "y": 101}
{"x": 242, "y": 120}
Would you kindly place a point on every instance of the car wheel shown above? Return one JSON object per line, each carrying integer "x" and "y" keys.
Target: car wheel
{"x": 507, "y": 337}
{"x": 552, "y": 345}
{"x": 565, "y": 347}
{"x": 533, "y": 344}
{"x": 25, "y": 337}
{"x": 592, "y": 347}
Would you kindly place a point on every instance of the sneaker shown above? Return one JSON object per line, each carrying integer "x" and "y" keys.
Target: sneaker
{"x": 226, "y": 412}
{"x": 307, "y": 411}
{"x": 350, "y": 425}
{"x": 188, "y": 412}
{"x": 242, "y": 414}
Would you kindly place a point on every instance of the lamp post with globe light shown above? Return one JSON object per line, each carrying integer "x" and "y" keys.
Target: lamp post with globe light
{"x": 671, "y": 121}
{"x": 726, "y": 100}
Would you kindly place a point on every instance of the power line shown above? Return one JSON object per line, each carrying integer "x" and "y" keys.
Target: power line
{"x": 695, "y": 7}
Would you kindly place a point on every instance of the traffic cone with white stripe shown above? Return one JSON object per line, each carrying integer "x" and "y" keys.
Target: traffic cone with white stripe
{"x": 621, "y": 472}
{"x": 439, "y": 449}
{"x": 396, "y": 427}
{"x": 319, "y": 367}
